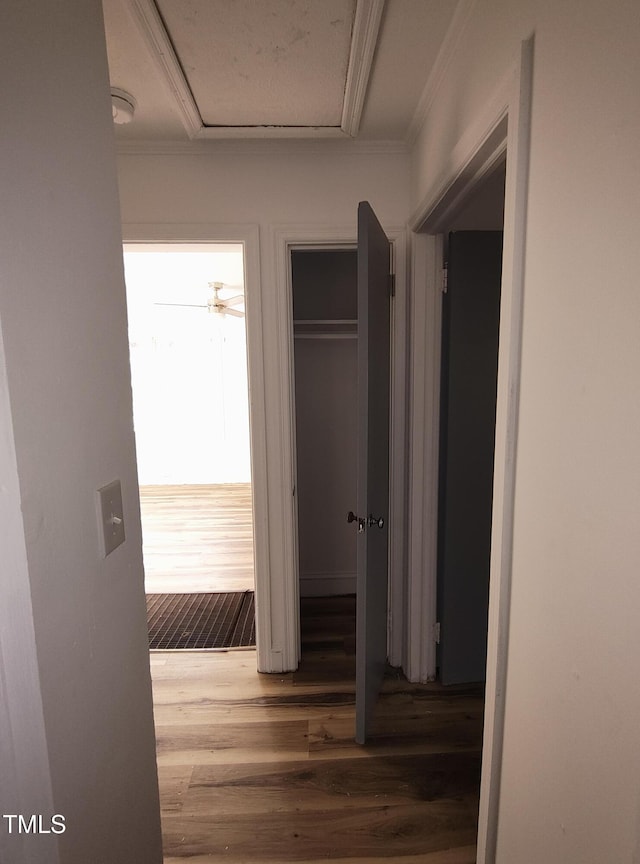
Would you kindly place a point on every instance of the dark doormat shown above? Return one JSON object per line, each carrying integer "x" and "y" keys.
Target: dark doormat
{"x": 201, "y": 620}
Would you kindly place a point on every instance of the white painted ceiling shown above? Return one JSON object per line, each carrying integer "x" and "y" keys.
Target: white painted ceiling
{"x": 202, "y": 69}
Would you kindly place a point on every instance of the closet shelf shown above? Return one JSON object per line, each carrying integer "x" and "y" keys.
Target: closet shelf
{"x": 329, "y": 328}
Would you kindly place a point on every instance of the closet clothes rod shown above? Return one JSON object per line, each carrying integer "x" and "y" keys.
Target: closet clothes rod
{"x": 325, "y": 335}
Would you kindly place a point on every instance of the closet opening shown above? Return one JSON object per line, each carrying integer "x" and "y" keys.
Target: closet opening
{"x": 325, "y": 339}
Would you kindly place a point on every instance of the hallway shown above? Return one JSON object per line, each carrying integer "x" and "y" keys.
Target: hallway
{"x": 259, "y": 768}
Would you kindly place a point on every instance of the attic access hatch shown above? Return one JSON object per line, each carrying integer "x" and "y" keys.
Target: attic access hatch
{"x": 293, "y": 68}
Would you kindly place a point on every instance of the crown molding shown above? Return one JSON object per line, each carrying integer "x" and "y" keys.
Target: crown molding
{"x": 440, "y": 68}
{"x": 364, "y": 38}
{"x": 249, "y": 147}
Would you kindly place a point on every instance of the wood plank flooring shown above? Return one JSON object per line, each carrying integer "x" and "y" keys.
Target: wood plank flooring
{"x": 197, "y": 538}
{"x": 263, "y": 768}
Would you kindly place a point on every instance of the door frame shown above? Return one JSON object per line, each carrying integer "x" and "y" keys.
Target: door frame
{"x": 248, "y": 237}
{"x": 285, "y": 581}
{"x": 502, "y": 129}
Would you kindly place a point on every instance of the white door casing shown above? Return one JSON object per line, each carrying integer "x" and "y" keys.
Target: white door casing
{"x": 504, "y": 126}
{"x": 249, "y": 237}
{"x": 279, "y": 350}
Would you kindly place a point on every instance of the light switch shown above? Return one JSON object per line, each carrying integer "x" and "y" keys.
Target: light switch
{"x": 110, "y": 517}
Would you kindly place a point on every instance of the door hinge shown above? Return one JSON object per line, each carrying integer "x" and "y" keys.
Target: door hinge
{"x": 436, "y": 632}
{"x": 392, "y": 284}
{"x": 445, "y": 278}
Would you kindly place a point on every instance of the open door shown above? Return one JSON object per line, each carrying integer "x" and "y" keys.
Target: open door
{"x": 374, "y": 300}
{"x": 470, "y": 326}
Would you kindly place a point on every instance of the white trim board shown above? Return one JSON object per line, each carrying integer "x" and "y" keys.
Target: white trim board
{"x": 286, "y": 583}
{"x": 473, "y": 158}
{"x": 248, "y": 235}
{"x": 424, "y": 413}
{"x": 504, "y": 125}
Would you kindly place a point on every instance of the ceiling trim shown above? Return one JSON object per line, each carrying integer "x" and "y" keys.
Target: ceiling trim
{"x": 215, "y": 133}
{"x": 337, "y": 146}
{"x": 364, "y": 38}
{"x": 151, "y": 25}
{"x": 438, "y": 72}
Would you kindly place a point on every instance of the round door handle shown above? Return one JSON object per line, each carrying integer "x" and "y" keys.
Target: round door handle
{"x": 362, "y": 523}
{"x": 373, "y": 521}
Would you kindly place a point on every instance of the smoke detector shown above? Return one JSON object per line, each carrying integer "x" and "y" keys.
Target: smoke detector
{"x": 123, "y": 106}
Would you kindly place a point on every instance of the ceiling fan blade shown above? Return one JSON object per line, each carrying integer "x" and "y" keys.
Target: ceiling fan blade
{"x": 233, "y": 301}
{"x": 190, "y": 305}
{"x": 235, "y": 312}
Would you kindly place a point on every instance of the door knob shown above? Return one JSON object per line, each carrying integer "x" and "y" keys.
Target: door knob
{"x": 362, "y": 523}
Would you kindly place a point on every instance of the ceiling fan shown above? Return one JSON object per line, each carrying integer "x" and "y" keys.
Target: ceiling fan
{"x": 217, "y": 304}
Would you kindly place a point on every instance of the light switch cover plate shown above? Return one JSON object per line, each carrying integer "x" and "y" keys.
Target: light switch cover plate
{"x": 110, "y": 517}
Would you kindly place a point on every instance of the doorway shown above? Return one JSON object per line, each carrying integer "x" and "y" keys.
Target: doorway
{"x": 467, "y": 208}
{"x": 468, "y": 384}
{"x": 365, "y": 444}
{"x": 188, "y": 355}
{"x": 325, "y": 363}
{"x": 502, "y": 131}
{"x": 325, "y": 367}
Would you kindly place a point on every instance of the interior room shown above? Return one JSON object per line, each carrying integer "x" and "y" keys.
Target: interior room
{"x": 156, "y": 122}
{"x": 188, "y": 354}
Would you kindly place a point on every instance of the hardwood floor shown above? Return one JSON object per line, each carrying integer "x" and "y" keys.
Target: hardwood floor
{"x": 263, "y": 768}
{"x": 197, "y": 538}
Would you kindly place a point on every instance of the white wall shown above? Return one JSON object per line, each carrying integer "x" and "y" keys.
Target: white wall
{"x": 570, "y": 789}
{"x": 314, "y": 185}
{"x": 26, "y": 780}
{"x": 67, "y": 430}
{"x": 326, "y": 441}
